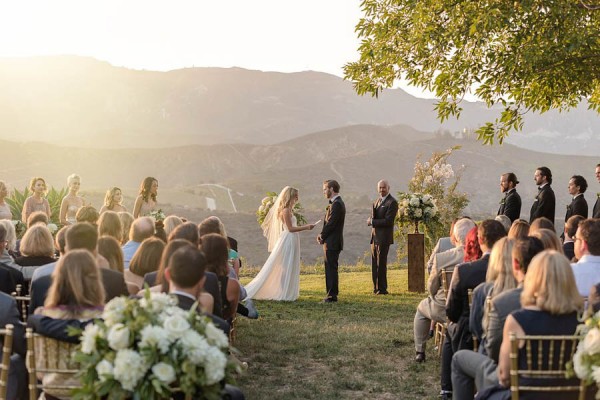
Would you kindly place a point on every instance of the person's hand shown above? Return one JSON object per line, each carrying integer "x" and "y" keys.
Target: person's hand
{"x": 319, "y": 240}
{"x": 311, "y": 227}
{"x": 369, "y": 221}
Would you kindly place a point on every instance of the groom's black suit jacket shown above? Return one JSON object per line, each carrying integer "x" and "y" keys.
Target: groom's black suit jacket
{"x": 544, "y": 204}
{"x": 332, "y": 233}
{"x": 511, "y": 205}
{"x": 382, "y": 221}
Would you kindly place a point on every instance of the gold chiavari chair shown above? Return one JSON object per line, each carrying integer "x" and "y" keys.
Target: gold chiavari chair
{"x": 546, "y": 358}
{"x": 22, "y": 302}
{"x": 7, "y": 335}
{"x": 440, "y": 327}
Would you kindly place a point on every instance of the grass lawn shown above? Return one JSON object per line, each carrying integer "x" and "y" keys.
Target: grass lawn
{"x": 360, "y": 347}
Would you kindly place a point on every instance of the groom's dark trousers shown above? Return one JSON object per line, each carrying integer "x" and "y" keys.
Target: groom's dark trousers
{"x": 331, "y": 272}
{"x": 332, "y": 238}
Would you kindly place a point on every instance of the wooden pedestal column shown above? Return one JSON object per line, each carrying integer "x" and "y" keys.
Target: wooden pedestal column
{"x": 416, "y": 262}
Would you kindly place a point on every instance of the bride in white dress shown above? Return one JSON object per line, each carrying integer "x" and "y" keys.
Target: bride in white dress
{"x": 279, "y": 278}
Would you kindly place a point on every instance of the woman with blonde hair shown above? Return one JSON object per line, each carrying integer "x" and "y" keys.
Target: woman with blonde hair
{"x": 549, "y": 239}
{"x": 499, "y": 277}
{"x": 37, "y": 201}
{"x": 279, "y": 278}
{"x": 109, "y": 224}
{"x": 71, "y": 203}
{"x": 112, "y": 200}
{"x": 146, "y": 200}
{"x": 5, "y": 212}
{"x": 519, "y": 229}
{"x": 37, "y": 249}
{"x": 126, "y": 221}
{"x": 550, "y": 303}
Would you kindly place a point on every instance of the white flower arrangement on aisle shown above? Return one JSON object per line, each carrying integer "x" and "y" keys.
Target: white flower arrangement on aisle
{"x": 586, "y": 361}
{"x": 268, "y": 202}
{"x": 149, "y": 348}
{"x": 416, "y": 207}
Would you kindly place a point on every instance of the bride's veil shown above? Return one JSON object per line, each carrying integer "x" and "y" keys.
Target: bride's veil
{"x": 272, "y": 225}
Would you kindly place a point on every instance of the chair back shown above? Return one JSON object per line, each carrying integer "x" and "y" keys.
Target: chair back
{"x": 50, "y": 360}
{"x": 7, "y": 335}
{"x": 475, "y": 341}
{"x": 546, "y": 358}
{"x": 446, "y": 279}
{"x": 22, "y": 302}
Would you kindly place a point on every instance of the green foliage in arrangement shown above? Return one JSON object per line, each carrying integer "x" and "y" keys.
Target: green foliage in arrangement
{"x": 16, "y": 200}
{"x": 437, "y": 179}
{"x": 522, "y": 55}
{"x": 268, "y": 202}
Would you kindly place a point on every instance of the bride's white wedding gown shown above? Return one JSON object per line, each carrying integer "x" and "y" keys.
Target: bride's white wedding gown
{"x": 279, "y": 278}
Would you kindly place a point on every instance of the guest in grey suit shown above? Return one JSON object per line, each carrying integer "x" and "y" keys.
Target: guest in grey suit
{"x": 471, "y": 368}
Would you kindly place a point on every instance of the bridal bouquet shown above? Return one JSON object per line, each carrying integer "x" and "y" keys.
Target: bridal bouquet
{"x": 158, "y": 215}
{"x": 416, "y": 207}
{"x": 268, "y": 202}
{"x": 586, "y": 361}
{"x": 149, "y": 348}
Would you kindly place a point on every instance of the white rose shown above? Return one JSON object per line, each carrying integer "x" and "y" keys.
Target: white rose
{"x": 266, "y": 200}
{"x": 176, "y": 325}
{"x": 52, "y": 227}
{"x": 591, "y": 341}
{"x": 426, "y": 198}
{"x": 113, "y": 311}
{"x": 155, "y": 336}
{"x": 216, "y": 336}
{"x": 433, "y": 211}
{"x": 194, "y": 346}
{"x": 104, "y": 369}
{"x": 118, "y": 337}
{"x": 129, "y": 368}
{"x": 414, "y": 201}
{"x": 215, "y": 366}
{"x": 88, "y": 338}
{"x": 261, "y": 209}
{"x": 164, "y": 372}
{"x": 582, "y": 371}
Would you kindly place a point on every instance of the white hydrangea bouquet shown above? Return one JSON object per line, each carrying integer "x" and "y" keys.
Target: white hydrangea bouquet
{"x": 586, "y": 361}
{"x": 416, "y": 207}
{"x": 149, "y": 348}
{"x": 157, "y": 215}
{"x": 267, "y": 203}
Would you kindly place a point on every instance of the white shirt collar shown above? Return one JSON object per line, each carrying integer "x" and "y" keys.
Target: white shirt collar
{"x": 335, "y": 196}
{"x": 184, "y": 294}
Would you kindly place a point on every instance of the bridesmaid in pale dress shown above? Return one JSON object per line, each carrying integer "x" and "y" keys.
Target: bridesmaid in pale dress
{"x": 5, "y": 212}
{"x": 112, "y": 201}
{"x": 146, "y": 201}
{"x": 71, "y": 202}
{"x": 36, "y": 202}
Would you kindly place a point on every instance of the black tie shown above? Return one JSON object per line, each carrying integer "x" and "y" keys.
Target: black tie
{"x": 330, "y": 201}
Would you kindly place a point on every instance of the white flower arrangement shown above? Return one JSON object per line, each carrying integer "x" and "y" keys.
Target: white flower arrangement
{"x": 416, "y": 207}
{"x": 267, "y": 203}
{"x": 157, "y": 215}
{"x": 149, "y": 348}
{"x": 586, "y": 361}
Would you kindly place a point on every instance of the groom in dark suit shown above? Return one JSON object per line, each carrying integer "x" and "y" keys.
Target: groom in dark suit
{"x": 332, "y": 237}
{"x": 510, "y": 205}
{"x": 545, "y": 201}
{"x": 382, "y": 220}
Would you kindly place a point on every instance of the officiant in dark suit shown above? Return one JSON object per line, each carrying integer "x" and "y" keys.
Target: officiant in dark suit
{"x": 332, "y": 237}
{"x": 383, "y": 216}
{"x": 510, "y": 205}
{"x": 544, "y": 204}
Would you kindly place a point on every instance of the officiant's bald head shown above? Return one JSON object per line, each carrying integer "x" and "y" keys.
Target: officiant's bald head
{"x": 383, "y": 188}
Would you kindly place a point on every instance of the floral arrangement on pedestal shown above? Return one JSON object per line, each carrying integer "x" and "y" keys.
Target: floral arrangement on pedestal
{"x": 268, "y": 202}
{"x": 149, "y": 348}
{"x": 415, "y": 208}
{"x": 586, "y": 361}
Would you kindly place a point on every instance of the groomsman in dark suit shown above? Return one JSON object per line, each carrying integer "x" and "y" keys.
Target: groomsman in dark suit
{"x": 510, "y": 205}
{"x": 383, "y": 216}
{"x": 332, "y": 237}
{"x": 545, "y": 201}
{"x": 596, "y": 212}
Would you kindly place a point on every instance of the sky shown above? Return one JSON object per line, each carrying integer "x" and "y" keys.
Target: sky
{"x": 267, "y": 35}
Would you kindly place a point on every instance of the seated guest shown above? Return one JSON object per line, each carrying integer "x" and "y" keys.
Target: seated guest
{"x": 187, "y": 231}
{"x": 87, "y": 214}
{"x": 541, "y": 223}
{"x": 81, "y": 236}
{"x": 466, "y": 276}
{"x": 519, "y": 229}
{"x": 505, "y": 221}
{"x": 433, "y": 308}
{"x": 472, "y": 248}
{"x": 109, "y": 224}
{"x": 141, "y": 229}
{"x": 214, "y": 247}
{"x": 126, "y": 221}
{"x": 443, "y": 244}
{"x": 6, "y": 257}
{"x": 37, "y": 248}
{"x": 146, "y": 259}
{"x": 587, "y": 251}
{"x": 170, "y": 223}
{"x": 17, "y": 373}
{"x": 469, "y": 367}
{"x": 59, "y": 243}
{"x": 570, "y": 231}
{"x": 34, "y": 218}
{"x": 550, "y": 303}
{"x": 76, "y": 293}
{"x": 110, "y": 249}
{"x": 9, "y": 276}
{"x": 549, "y": 239}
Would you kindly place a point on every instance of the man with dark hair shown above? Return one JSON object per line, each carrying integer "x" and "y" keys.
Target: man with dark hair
{"x": 587, "y": 251}
{"x": 544, "y": 204}
{"x": 332, "y": 237}
{"x": 569, "y": 233}
{"x": 596, "y": 211}
{"x": 465, "y": 276}
{"x": 142, "y": 228}
{"x": 469, "y": 367}
{"x": 510, "y": 205}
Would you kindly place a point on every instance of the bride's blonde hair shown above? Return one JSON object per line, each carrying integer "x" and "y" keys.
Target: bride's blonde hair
{"x": 289, "y": 195}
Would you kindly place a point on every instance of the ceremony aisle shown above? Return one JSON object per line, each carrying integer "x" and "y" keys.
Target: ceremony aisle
{"x": 360, "y": 347}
